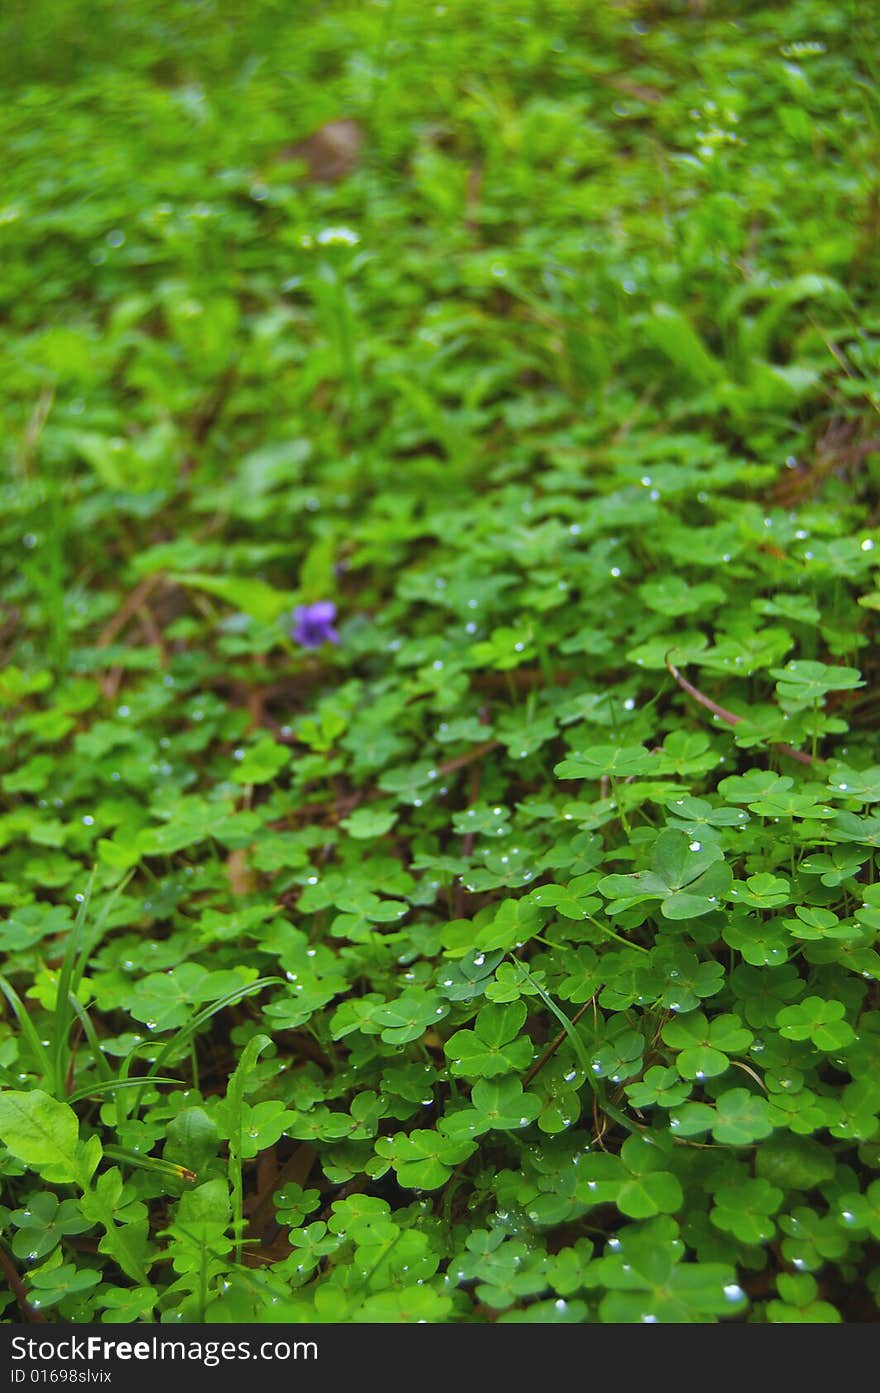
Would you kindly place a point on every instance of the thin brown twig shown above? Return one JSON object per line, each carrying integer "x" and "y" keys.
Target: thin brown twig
{"x": 16, "y": 1286}
{"x": 724, "y": 715}
{"x": 129, "y": 607}
{"x": 554, "y": 1044}
{"x": 153, "y": 633}
{"x": 476, "y": 752}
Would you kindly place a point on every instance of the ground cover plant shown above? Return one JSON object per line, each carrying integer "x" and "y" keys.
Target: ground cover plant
{"x": 439, "y": 574}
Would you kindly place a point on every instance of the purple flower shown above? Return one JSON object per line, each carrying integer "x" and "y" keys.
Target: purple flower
{"x": 313, "y": 624}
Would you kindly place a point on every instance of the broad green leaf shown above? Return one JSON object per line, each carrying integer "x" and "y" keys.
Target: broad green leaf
{"x": 43, "y": 1132}
{"x": 252, "y": 597}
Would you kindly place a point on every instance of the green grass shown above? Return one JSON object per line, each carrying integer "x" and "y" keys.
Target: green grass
{"x": 514, "y": 957}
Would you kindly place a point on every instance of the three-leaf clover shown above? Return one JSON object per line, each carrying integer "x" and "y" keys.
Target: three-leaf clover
{"x": 42, "y": 1224}
{"x": 818, "y": 1020}
{"x": 409, "y": 1016}
{"x": 495, "y": 1045}
{"x": 424, "y": 1159}
{"x": 688, "y": 876}
{"x": 704, "y": 1046}
{"x": 646, "y": 1281}
{"x": 638, "y": 1181}
{"x": 616, "y": 761}
{"x": 744, "y": 1209}
{"x": 803, "y": 682}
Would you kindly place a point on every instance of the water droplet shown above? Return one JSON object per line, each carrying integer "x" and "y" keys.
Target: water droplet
{"x": 696, "y": 846}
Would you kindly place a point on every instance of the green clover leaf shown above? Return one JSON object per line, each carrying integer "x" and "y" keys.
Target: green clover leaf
{"x": 424, "y": 1160}
{"x": 811, "y": 1239}
{"x": 799, "y": 1305}
{"x": 616, "y": 761}
{"x": 367, "y": 823}
{"x": 754, "y": 785}
{"x": 619, "y": 1056}
{"x": 495, "y": 1045}
{"x": 762, "y": 891}
{"x": 862, "y": 785}
{"x": 741, "y": 1118}
{"x": 409, "y": 1016}
{"x": 793, "y": 1162}
{"x": 573, "y": 901}
{"x": 261, "y": 763}
{"x": 413, "y": 1305}
{"x": 49, "y": 1285}
{"x": 704, "y": 1046}
{"x": 637, "y": 1180}
{"x": 43, "y": 1223}
{"x": 688, "y": 981}
{"x": 646, "y": 1281}
{"x": 803, "y": 682}
{"x": 744, "y": 1209}
{"x": 762, "y": 942}
{"x": 688, "y": 876}
{"x": 502, "y": 1104}
{"x": 293, "y": 1204}
{"x": 817, "y": 1020}
{"x": 660, "y": 1085}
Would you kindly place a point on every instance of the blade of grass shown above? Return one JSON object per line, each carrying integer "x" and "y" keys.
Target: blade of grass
{"x": 28, "y": 1030}
{"x": 149, "y": 1163}
{"x": 181, "y": 1036}
{"x": 235, "y": 1098}
{"x": 579, "y": 1048}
